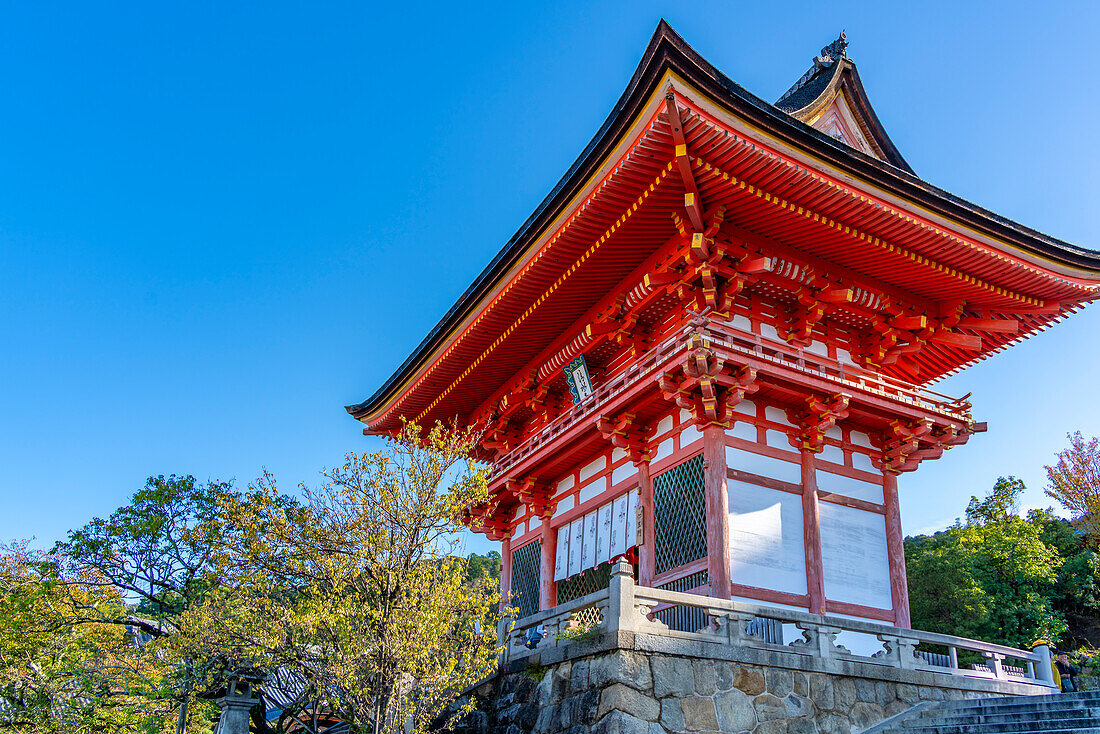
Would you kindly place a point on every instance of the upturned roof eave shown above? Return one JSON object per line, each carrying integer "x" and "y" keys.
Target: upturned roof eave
{"x": 667, "y": 51}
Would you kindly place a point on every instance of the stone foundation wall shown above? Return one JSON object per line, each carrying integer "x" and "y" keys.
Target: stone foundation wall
{"x": 634, "y": 692}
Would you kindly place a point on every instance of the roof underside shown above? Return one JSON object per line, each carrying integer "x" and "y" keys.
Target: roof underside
{"x": 527, "y": 298}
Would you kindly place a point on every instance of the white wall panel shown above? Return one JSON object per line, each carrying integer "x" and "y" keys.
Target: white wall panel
{"x": 767, "y": 548}
{"x": 592, "y": 467}
{"x": 868, "y": 491}
{"x": 765, "y": 466}
{"x": 622, "y": 473}
{"x": 689, "y": 434}
{"x": 743, "y": 430}
{"x": 856, "y": 565}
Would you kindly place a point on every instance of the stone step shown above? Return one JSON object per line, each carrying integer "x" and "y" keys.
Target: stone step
{"x": 1069, "y": 712}
{"x": 995, "y": 715}
{"x": 1022, "y": 700}
{"x": 1018, "y": 727}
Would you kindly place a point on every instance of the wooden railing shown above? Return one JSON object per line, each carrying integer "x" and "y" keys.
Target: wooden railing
{"x": 626, "y": 607}
{"x": 734, "y": 343}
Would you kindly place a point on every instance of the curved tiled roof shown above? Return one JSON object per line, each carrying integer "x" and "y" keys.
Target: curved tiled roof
{"x": 667, "y": 52}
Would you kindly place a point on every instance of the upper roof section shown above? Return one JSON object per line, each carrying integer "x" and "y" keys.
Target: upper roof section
{"x": 814, "y": 175}
{"x": 831, "y": 98}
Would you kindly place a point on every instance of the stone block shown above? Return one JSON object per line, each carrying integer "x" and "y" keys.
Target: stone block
{"x": 578, "y": 676}
{"x": 908, "y": 693}
{"x": 801, "y": 726}
{"x": 821, "y": 691}
{"x": 699, "y": 714}
{"x": 655, "y": 728}
{"x": 797, "y": 705}
{"x": 865, "y": 690}
{"x": 896, "y": 707}
{"x": 928, "y": 693}
{"x": 706, "y": 677}
{"x": 735, "y": 711}
{"x": 579, "y": 710}
{"x": 885, "y": 693}
{"x": 546, "y": 722}
{"x": 769, "y": 707}
{"x": 672, "y": 676}
{"x": 620, "y": 722}
{"x": 620, "y": 697}
{"x": 780, "y": 682}
{"x": 831, "y": 723}
{"x": 723, "y": 676}
{"x": 672, "y": 716}
{"x": 801, "y": 686}
{"x": 864, "y": 714}
{"x": 749, "y": 680}
{"x": 844, "y": 693}
{"x": 772, "y": 727}
{"x": 623, "y": 666}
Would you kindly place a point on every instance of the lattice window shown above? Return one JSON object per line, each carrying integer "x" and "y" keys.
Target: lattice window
{"x": 685, "y": 619}
{"x": 585, "y": 582}
{"x": 525, "y": 578}
{"x": 680, "y": 513}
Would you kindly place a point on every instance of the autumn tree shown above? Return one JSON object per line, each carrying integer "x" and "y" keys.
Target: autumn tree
{"x": 356, "y": 590}
{"x": 56, "y": 676}
{"x": 1075, "y": 481}
{"x": 156, "y": 554}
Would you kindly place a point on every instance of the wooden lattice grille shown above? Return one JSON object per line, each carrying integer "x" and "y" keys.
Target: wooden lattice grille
{"x": 685, "y": 619}
{"x": 680, "y": 516}
{"x": 525, "y": 578}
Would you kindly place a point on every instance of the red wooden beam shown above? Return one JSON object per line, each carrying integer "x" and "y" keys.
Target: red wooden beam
{"x": 692, "y": 202}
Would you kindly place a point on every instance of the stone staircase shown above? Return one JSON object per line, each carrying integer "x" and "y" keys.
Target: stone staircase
{"x": 1063, "y": 712}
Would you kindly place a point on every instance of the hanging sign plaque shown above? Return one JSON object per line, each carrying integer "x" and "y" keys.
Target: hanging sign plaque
{"x": 576, "y": 375}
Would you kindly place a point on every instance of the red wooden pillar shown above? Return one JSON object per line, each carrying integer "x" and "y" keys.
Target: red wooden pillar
{"x": 505, "y": 572}
{"x": 718, "y": 531}
{"x": 646, "y": 553}
{"x": 895, "y": 548}
{"x": 811, "y": 533}
{"x": 546, "y": 566}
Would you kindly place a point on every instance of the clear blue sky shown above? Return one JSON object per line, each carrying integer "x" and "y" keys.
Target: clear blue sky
{"x": 220, "y": 223}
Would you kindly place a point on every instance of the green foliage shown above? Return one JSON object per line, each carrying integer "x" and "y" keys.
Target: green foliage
{"x": 156, "y": 555}
{"x": 1001, "y": 577}
{"x": 483, "y": 567}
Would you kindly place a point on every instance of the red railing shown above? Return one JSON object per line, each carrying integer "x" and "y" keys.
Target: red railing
{"x": 733, "y": 343}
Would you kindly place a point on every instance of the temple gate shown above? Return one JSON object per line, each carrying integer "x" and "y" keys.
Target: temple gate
{"x": 705, "y": 360}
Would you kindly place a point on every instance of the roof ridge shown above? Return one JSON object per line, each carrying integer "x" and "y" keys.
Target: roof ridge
{"x": 829, "y": 55}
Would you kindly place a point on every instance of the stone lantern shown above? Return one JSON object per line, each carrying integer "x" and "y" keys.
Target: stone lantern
{"x": 240, "y": 696}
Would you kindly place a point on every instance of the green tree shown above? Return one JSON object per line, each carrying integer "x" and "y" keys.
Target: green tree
{"x": 992, "y": 578}
{"x": 157, "y": 553}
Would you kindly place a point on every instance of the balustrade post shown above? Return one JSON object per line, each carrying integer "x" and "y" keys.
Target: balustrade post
{"x": 620, "y": 601}
{"x": 953, "y": 654}
{"x": 1044, "y": 671}
{"x": 995, "y": 664}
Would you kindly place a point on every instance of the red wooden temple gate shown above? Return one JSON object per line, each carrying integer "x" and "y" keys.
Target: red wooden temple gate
{"x": 710, "y": 347}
